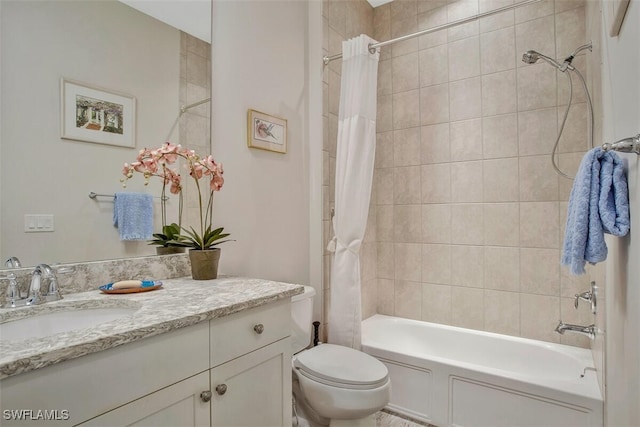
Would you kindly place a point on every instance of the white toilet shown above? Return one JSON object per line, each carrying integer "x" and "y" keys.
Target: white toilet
{"x": 332, "y": 385}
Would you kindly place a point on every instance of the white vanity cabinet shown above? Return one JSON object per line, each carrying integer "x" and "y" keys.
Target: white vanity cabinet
{"x": 233, "y": 370}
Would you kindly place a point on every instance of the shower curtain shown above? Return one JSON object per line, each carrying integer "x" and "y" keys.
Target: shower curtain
{"x": 354, "y": 174}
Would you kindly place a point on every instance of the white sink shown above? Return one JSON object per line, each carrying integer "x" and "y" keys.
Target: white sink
{"x": 50, "y": 323}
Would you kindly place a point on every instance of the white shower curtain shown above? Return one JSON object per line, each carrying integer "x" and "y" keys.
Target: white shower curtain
{"x": 354, "y": 174}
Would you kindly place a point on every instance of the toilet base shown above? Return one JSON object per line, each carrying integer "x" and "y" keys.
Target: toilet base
{"x": 369, "y": 421}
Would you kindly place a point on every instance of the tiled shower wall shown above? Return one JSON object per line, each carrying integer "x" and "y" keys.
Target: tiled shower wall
{"x": 467, "y": 213}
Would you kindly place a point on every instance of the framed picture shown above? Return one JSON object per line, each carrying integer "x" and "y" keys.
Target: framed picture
{"x": 93, "y": 114}
{"x": 266, "y": 132}
{"x": 617, "y": 10}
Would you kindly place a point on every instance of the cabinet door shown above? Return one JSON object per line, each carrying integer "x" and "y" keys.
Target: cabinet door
{"x": 254, "y": 389}
{"x": 177, "y": 405}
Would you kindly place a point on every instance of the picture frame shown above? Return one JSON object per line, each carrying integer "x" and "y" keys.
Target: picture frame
{"x": 266, "y": 132}
{"x": 617, "y": 10}
{"x": 93, "y": 114}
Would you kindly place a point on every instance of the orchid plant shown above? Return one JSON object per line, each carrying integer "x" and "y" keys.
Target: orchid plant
{"x": 157, "y": 162}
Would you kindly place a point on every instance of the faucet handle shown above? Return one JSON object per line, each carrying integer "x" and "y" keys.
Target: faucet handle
{"x": 13, "y": 293}
{"x": 588, "y": 296}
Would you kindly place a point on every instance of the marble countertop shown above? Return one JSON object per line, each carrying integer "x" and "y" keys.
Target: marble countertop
{"x": 177, "y": 304}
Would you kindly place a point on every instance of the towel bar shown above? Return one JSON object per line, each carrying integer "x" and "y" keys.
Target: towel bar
{"x": 93, "y": 195}
{"x": 625, "y": 145}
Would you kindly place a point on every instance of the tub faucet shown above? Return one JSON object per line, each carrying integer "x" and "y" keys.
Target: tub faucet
{"x": 36, "y": 296}
{"x": 589, "y": 331}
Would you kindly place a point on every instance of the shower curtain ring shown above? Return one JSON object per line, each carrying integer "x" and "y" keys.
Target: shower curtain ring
{"x": 372, "y": 49}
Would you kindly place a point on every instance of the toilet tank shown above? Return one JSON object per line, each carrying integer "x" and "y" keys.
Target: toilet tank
{"x": 301, "y": 319}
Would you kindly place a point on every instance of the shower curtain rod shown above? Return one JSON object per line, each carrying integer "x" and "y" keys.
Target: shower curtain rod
{"x": 374, "y": 46}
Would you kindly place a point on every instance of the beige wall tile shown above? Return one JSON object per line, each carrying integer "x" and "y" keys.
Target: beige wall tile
{"x": 406, "y": 109}
{"x": 467, "y": 224}
{"x": 467, "y": 266}
{"x": 562, "y": 5}
{"x": 539, "y": 227}
{"x": 537, "y": 131}
{"x": 386, "y": 293}
{"x": 466, "y": 181}
{"x": 435, "y": 143}
{"x": 436, "y": 264}
{"x": 502, "y": 268}
{"x": 384, "y": 186}
{"x": 406, "y": 147}
{"x": 408, "y": 299}
{"x": 386, "y": 261}
{"x": 431, "y": 19}
{"x": 465, "y": 99}
{"x": 539, "y": 316}
{"x": 466, "y": 140}
{"x": 368, "y": 259}
{"x": 501, "y": 224}
{"x": 464, "y": 58}
{"x": 405, "y": 73}
{"x": 536, "y": 87}
{"x": 436, "y": 223}
{"x": 434, "y": 104}
{"x": 369, "y": 298}
{"x": 462, "y": 9}
{"x": 384, "y": 78}
{"x": 406, "y": 185}
{"x": 499, "y": 93}
{"x": 570, "y": 31}
{"x": 574, "y": 135}
{"x": 384, "y": 150}
{"x": 402, "y": 27}
{"x": 501, "y": 180}
{"x": 467, "y": 307}
{"x": 497, "y": 51}
{"x": 434, "y": 65}
{"x": 384, "y": 117}
{"x": 540, "y": 271}
{"x": 534, "y": 11}
{"x": 578, "y": 95}
{"x": 408, "y": 257}
{"x": 436, "y": 303}
{"x": 436, "y": 183}
{"x": 337, "y": 15}
{"x": 427, "y": 5}
{"x": 538, "y": 180}
{"x": 502, "y": 312}
{"x": 407, "y": 223}
{"x": 384, "y": 223}
{"x": 500, "y": 136}
{"x": 334, "y": 92}
{"x": 498, "y": 21}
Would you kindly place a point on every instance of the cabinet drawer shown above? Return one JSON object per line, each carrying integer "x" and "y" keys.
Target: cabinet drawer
{"x": 243, "y": 332}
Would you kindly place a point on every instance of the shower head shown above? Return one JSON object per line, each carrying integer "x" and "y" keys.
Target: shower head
{"x": 531, "y": 57}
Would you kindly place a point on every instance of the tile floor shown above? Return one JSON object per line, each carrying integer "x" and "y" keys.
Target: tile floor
{"x": 389, "y": 419}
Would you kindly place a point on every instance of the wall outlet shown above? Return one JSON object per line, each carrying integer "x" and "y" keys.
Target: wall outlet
{"x": 38, "y": 223}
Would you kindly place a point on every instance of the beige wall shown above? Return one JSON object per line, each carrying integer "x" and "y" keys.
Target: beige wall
{"x": 265, "y": 202}
{"x": 467, "y": 212}
{"x": 43, "y": 174}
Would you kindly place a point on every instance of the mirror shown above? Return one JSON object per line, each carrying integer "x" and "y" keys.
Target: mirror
{"x": 106, "y": 45}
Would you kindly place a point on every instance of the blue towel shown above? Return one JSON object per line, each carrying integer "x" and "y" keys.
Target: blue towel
{"x": 133, "y": 215}
{"x": 598, "y": 204}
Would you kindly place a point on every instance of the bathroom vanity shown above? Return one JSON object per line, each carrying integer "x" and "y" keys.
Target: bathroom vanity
{"x": 201, "y": 353}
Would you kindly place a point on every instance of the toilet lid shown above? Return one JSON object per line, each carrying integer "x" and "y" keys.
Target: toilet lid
{"x": 342, "y": 366}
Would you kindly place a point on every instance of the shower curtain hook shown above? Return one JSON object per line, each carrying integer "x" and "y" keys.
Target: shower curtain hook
{"x": 372, "y": 49}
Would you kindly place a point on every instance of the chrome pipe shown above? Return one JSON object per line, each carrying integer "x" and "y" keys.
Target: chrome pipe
{"x": 624, "y": 145}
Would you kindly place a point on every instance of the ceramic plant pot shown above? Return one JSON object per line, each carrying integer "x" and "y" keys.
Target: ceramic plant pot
{"x": 169, "y": 250}
{"x": 204, "y": 263}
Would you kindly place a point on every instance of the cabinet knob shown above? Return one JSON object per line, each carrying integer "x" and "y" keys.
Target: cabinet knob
{"x": 221, "y": 389}
{"x": 205, "y": 396}
{"x": 259, "y": 328}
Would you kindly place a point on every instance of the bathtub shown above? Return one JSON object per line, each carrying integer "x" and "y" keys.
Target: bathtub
{"x": 450, "y": 376}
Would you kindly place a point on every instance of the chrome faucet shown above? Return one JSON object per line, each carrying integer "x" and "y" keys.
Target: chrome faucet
{"x": 13, "y": 293}
{"x": 36, "y": 296}
{"x": 589, "y": 331}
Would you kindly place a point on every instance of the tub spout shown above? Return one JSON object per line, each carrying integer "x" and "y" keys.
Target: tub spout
{"x": 589, "y": 331}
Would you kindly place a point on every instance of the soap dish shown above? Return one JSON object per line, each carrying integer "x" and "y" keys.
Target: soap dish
{"x": 107, "y": 289}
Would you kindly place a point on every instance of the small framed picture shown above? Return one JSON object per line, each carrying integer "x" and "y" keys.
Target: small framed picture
{"x": 93, "y": 114}
{"x": 266, "y": 132}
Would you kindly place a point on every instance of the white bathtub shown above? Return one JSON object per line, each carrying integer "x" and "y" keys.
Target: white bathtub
{"x": 451, "y": 376}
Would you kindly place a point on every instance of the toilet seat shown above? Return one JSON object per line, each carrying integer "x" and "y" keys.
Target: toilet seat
{"x": 341, "y": 367}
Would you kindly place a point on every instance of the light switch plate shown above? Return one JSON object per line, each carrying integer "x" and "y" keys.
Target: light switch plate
{"x": 38, "y": 223}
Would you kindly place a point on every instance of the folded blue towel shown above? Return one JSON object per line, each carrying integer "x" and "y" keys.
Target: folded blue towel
{"x": 133, "y": 215}
{"x": 598, "y": 204}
